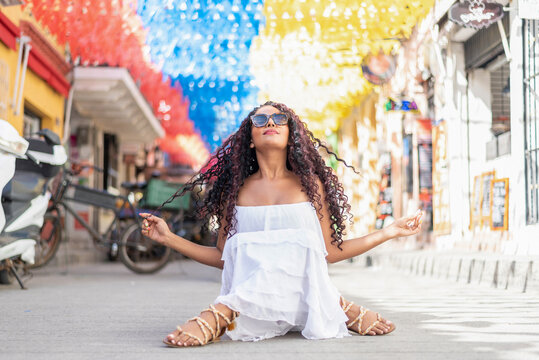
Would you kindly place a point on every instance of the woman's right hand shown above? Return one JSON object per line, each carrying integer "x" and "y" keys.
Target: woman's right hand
{"x": 155, "y": 228}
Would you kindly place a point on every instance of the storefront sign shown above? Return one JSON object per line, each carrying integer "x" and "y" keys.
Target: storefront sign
{"x": 528, "y": 9}
{"x": 476, "y": 14}
{"x": 486, "y": 195}
{"x": 400, "y": 105}
{"x": 378, "y": 69}
{"x": 499, "y": 203}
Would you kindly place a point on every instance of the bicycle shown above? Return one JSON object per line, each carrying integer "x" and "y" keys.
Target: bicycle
{"x": 178, "y": 214}
{"x": 136, "y": 252}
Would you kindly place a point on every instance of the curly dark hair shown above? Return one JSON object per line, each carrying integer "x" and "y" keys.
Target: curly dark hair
{"x": 234, "y": 161}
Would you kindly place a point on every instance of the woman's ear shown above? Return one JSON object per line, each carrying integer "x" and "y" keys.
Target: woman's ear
{"x": 251, "y": 145}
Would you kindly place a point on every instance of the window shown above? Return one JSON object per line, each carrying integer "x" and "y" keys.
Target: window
{"x": 31, "y": 123}
{"x": 501, "y": 112}
{"x": 500, "y": 94}
{"x": 530, "y": 38}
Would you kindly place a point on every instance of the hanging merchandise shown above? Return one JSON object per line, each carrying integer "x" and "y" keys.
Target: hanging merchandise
{"x": 384, "y": 208}
{"x": 401, "y": 105}
{"x": 424, "y": 151}
{"x": 476, "y": 14}
{"x": 378, "y": 69}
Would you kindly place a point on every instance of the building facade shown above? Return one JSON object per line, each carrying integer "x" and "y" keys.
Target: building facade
{"x": 472, "y": 163}
{"x": 33, "y": 74}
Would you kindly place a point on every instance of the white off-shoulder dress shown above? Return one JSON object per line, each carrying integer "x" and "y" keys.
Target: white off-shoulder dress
{"x": 276, "y": 276}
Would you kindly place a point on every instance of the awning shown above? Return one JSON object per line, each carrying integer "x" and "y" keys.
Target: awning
{"x": 110, "y": 98}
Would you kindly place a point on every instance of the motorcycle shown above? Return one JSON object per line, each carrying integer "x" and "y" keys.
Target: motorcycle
{"x": 27, "y": 166}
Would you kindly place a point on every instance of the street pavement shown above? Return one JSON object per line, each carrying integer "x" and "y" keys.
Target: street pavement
{"x": 103, "y": 311}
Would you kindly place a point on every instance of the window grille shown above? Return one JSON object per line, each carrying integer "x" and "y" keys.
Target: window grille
{"x": 530, "y": 37}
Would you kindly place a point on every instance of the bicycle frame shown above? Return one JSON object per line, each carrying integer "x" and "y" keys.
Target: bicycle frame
{"x": 122, "y": 237}
{"x": 99, "y": 238}
{"x": 59, "y": 200}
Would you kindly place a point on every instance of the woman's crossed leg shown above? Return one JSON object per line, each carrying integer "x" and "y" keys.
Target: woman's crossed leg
{"x": 212, "y": 323}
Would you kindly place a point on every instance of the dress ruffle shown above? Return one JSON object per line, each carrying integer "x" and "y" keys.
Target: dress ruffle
{"x": 278, "y": 281}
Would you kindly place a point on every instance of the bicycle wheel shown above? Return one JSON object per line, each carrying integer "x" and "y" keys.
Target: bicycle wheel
{"x": 49, "y": 241}
{"x": 140, "y": 254}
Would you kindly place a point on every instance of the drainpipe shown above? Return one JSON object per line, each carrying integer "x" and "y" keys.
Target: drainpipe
{"x": 67, "y": 122}
{"x": 24, "y": 43}
{"x": 470, "y": 200}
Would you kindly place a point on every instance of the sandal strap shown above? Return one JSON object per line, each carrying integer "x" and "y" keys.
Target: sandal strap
{"x": 202, "y": 324}
{"x": 345, "y": 307}
{"x": 358, "y": 319}
{"x": 223, "y": 316}
{"x": 194, "y": 337}
{"x": 216, "y": 317}
{"x": 205, "y": 326}
{"x": 376, "y": 322}
{"x": 216, "y": 313}
{"x": 179, "y": 328}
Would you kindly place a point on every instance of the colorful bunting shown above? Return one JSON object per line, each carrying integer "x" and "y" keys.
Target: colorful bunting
{"x": 228, "y": 56}
{"x": 204, "y": 45}
{"x": 310, "y": 52}
{"x": 104, "y": 32}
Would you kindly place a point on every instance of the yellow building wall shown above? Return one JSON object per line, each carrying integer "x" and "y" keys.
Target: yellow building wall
{"x": 38, "y": 96}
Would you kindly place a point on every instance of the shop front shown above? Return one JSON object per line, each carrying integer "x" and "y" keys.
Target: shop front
{"x": 110, "y": 124}
{"x": 404, "y": 117}
{"x": 483, "y": 138}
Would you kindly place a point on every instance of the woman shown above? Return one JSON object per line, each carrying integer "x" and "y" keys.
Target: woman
{"x": 281, "y": 216}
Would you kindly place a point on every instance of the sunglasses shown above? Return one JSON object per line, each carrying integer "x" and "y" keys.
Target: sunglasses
{"x": 260, "y": 120}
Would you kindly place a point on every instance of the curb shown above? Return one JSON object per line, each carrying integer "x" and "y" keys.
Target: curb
{"x": 518, "y": 273}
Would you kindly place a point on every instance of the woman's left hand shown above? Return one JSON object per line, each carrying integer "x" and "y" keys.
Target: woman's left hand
{"x": 406, "y": 226}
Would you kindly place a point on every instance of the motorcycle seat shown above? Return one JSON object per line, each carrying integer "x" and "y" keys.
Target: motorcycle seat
{"x": 44, "y": 169}
{"x": 40, "y": 145}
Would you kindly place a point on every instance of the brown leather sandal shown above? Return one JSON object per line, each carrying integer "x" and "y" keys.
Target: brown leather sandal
{"x": 214, "y": 334}
{"x": 359, "y": 319}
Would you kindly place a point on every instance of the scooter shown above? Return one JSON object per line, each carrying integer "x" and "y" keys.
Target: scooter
{"x": 27, "y": 167}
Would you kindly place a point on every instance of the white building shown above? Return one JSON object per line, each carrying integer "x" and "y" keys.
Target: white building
{"x": 480, "y": 95}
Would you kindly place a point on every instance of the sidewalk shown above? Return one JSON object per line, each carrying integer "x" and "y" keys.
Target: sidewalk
{"x": 103, "y": 311}
{"x": 520, "y": 273}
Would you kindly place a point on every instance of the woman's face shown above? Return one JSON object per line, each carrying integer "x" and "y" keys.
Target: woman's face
{"x": 271, "y": 135}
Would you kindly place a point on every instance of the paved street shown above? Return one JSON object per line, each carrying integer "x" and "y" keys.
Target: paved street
{"x": 104, "y": 311}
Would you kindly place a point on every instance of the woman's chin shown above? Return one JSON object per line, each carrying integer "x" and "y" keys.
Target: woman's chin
{"x": 271, "y": 144}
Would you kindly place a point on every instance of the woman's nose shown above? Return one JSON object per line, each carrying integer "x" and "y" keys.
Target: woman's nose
{"x": 270, "y": 121}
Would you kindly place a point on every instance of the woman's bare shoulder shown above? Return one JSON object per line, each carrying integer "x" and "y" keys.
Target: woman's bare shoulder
{"x": 247, "y": 190}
